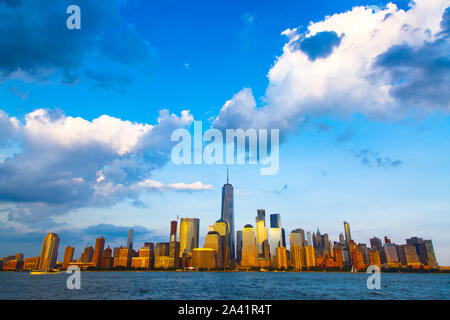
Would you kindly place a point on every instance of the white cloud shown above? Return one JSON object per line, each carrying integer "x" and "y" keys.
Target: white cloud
{"x": 68, "y": 163}
{"x": 345, "y": 79}
{"x": 9, "y": 127}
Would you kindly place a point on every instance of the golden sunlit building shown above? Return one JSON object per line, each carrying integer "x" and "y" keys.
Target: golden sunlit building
{"x": 222, "y": 228}
{"x": 204, "y": 258}
{"x": 249, "y": 249}
{"x": 309, "y": 256}
{"x": 297, "y": 257}
{"x": 31, "y": 263}
{"x": 188, "y": 235}
{"x": 214, "y": 241}
{"x": 124, "y": 258}
{"x": 281, "y": 259}
{"x": 375, "y": 257}
{"x": 107, "y": 259}
{"x": 68, "y": 256}
{"x": 49, "y": 252}
{"x": 98, "y": 252}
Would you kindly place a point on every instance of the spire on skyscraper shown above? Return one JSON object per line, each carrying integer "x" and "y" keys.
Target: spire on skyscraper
{"x": 228, "y": 180}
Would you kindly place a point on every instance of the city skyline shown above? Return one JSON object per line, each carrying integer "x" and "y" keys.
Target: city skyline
{"x": 360, "y": 100}
{"x": 258, "y": 249}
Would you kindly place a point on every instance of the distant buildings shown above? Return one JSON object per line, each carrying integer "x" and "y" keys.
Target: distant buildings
{"x": 249, "y": 248}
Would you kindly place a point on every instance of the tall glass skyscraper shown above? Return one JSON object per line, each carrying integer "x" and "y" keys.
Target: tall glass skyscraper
{"x": 49, "y": 252}
{"x": 275, "y": 234}
{"x": 228, "y": 215}
{"x": 348, "y": 236}
{"x": 262, "y": 241}
{"x": 188, "y": 235}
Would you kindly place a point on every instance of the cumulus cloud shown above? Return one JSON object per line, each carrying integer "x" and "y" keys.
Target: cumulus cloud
{"x": 70, "y": 162}
{"x": 380, "y": 63}
{"x": 9, "y": 127}
{"x": 36, "y": 44}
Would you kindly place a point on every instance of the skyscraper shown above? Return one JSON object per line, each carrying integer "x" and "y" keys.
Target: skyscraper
{"x": 98, "y": 252}
{"x": 68, "y": 256}
{"x": 262, "y": 241}
{"x": 227, "y": 214}
{"x": 239, "y": 246}
{"x": 249, "y": 250}
{"x": 49, "y": 252}
{"x": 173, "y": 230}
{"x": 221, "y": 227}
{"x": 275, "y": 234}
{"x": 188, "y": 235}
{"x": 429, "y": 252}
{"x": 130, "y": 239}
{"x": 348, "y": 236}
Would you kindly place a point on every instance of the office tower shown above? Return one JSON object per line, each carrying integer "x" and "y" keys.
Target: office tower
{"x": 314, "y": 240}
{"x": 262, "y": 240}
{"x": 429, "y": 253}
{"x": 356, "y": 256}
{"x": 204, "y": 258}
{"x": 339, "y": 255}
{"x": 309, "y": 239}
{"x": 239, "y": 246}
{"x": 296, "y": 238}
{"x": 124, "y": 258}
{"x": 30, "y": 264}
{"x": 420, "y": 248}
{"x": 68, "y": 256}
{"x": 390, "y": 254}
{"x": 227, "y": 214}
{"x": 149, "y": 245}
{"x": 175, "y": 254}
{"x": 249, "y": 250}
{"x": 173, "y": 230}
{"x": 283, "y": 238}
{"x": 275, "y": 233}
{"x": 309, "y": 257}
{"x": 107, "y": 259}
{"x": 98, "y": 252}
{"x": 341, "y": 239}
{"x": 348, "y": 236}
{"x": 144, "y": 260}
{"x": 296, "y": 255}
{"x": 188, "y": 235}
{"x": 326, "y": 245}
{"x": 213, "y": 240}
{"x": 281, "y": 261}
{"x": 87, "y": 254}
{"x": 376, "y": 244}
{"x": 374, "y": 258}
{"x": 365, "y": 252}
{"x": 222, "y": 228}
{"x": 49, "y": 252}
{"x": 130, "y": 239}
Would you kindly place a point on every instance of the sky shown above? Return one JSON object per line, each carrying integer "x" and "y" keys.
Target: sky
{"x": 359, "y": 91}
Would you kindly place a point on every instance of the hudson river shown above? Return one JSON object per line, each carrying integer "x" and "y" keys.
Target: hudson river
{"x": 223, "y": 285}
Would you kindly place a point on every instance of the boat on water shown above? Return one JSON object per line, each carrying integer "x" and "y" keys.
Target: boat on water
{"x": 49, "y": 271}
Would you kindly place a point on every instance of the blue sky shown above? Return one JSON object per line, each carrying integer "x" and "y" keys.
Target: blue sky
{"x": 365, "y": 122}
